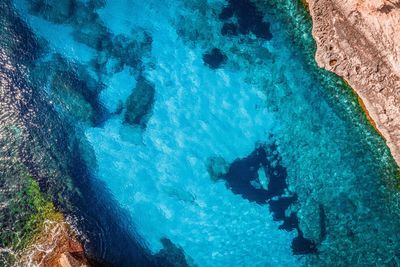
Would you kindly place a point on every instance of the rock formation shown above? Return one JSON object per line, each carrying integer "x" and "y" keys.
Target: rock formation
{"x": 56, "y": 246}
{"x": 360, "y": 41}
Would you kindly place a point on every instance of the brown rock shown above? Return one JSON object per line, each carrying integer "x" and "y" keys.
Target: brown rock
{"x": 55, "y": 247}
{"x": 360, "y": 41}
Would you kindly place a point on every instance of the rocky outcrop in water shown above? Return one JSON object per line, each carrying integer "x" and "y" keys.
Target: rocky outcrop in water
{"x": 55, "y": 246}
{"x": 140, "y": 103}
{"x": 360, "y": 41}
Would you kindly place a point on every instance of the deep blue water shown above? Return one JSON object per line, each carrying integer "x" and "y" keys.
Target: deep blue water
{"x": 185, "y": 133}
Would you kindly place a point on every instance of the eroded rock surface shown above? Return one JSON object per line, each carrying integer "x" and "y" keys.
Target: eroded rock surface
{"x": 360, "y": 41}
{"x": 56, "y": 246}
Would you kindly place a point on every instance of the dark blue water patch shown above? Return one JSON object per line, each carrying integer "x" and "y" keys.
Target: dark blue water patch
{"x": 170, "y": 255}
{"x": 243, "y": 171}
{"x": 229, "y": 29}
{"x": 242, "y": 178}
{"x": 214, "y": 58}
{"x": 140, "y": 103}
{"x": 109, "y": 228}
{"x": 278, "y": 207}
{"x": 249, "y": 19}
{"x": 289, "y": 222}
{"x": 227, "y": 13}
{"x": 302, "y": 246}
{"x": 108, "y": 231}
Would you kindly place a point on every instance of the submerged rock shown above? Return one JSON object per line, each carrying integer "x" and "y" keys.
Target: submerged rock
{"x": 140, "y": 103}
{"x": 244, "y": 173}
{"x": 261, "y": 178}
{"x": 249, "y": 20}
{"x": 88, "y": 28}
{"x": 67, "y": 95}
{"x": 215, "y": 58}
{"x": 72, "y": 89}
{"x": 58, "y": 11}
{"x": 229, "y": 29}
{"x": 170, "y": 255}
{"x": 217, "y": 167}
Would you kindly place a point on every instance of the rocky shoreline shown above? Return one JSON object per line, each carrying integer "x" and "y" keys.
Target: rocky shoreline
{"x": 359, "y": 41}
{"x": 56, "y": 245}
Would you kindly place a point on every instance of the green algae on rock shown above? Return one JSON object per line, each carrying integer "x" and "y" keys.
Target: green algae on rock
{"x": 24, "y": 212}
{"x": 40, "y": 209}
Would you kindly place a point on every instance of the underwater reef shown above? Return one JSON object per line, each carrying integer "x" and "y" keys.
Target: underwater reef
{"x": 185, "y": 133}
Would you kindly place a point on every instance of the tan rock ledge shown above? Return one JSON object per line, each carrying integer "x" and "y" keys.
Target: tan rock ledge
{"x": 360, "y": 41}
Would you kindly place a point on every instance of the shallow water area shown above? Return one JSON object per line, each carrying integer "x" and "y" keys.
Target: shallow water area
{"x": 216, "y": 137}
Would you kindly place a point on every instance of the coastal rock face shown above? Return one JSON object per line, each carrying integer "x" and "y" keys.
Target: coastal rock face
{"x": 360, "y": 41}
{"x": 56, "y": 246}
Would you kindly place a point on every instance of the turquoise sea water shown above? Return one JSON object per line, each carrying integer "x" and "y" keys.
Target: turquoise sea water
{"x": 202, "y": 133}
